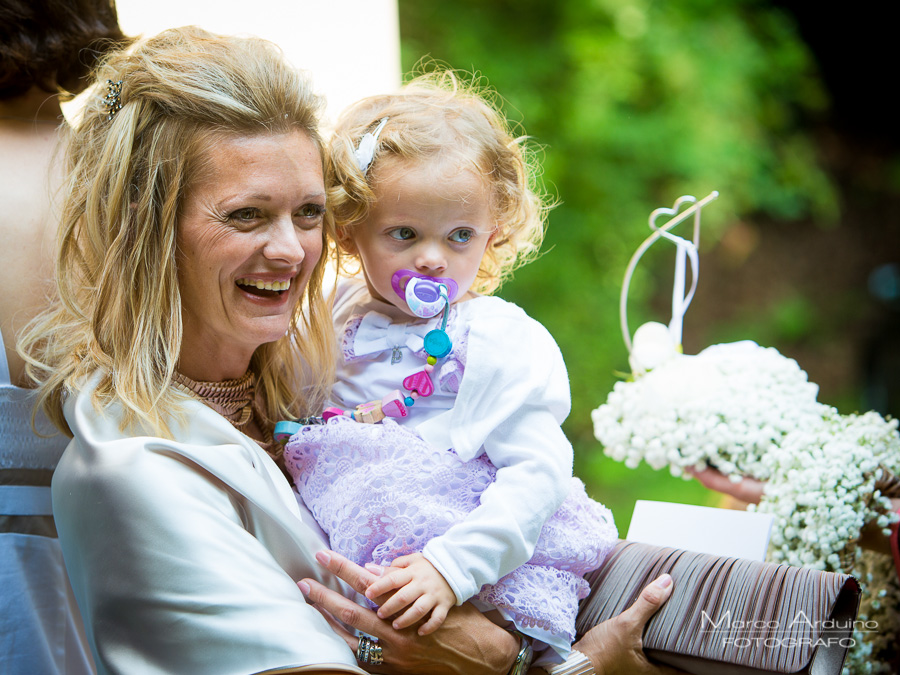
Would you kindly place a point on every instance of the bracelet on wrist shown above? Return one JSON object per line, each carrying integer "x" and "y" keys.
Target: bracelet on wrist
{"x": 576, "y": 664}
{"x": 525, "y": 656}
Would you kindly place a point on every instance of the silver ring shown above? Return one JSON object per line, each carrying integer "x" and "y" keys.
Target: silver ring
{"x": 369, "y": 651}
{"x": 376, "y": 657}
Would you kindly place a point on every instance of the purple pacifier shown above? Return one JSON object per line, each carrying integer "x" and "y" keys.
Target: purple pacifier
{"x": 426, "y": 296}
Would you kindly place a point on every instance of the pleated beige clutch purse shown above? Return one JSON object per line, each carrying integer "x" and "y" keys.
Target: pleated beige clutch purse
{"x": 729, "y": 616}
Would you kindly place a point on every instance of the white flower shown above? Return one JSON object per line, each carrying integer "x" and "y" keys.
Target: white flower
{"x": 652, "y": 345}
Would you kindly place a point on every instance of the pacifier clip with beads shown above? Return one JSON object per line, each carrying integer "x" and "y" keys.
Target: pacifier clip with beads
{"x": 426, "y": 298}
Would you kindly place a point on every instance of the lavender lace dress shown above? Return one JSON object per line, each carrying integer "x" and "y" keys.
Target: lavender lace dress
{"x": 380, "y": 492}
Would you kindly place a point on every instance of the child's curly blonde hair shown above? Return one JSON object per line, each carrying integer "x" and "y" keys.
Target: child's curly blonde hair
{"x": 441, "y": 116}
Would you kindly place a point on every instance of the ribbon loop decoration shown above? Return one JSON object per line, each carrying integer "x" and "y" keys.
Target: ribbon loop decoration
{"x": 686, "y": 251}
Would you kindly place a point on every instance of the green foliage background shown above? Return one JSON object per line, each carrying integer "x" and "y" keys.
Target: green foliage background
{"x": 633, "y": 103}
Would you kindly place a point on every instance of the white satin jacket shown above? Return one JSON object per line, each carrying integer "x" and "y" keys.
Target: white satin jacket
{"x": 184, "y": 555}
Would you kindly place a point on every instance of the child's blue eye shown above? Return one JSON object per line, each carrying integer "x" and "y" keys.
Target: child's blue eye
{"x": 462, "y": 236}
{"x": 403, "y": 233}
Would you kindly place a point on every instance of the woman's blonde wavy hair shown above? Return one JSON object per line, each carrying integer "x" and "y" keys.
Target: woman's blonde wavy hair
{"x": 119, "y": 306}
{"x": 440, "y": 116}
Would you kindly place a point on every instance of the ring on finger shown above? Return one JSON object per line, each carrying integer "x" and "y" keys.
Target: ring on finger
{"x": 369, "y": 651}
{"x": 376, "y": 655}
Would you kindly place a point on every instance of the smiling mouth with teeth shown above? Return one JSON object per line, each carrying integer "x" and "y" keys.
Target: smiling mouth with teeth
{"x": 264, "y": 288}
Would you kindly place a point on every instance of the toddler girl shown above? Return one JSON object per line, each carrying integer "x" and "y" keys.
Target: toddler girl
{"x": 465, "y": 486}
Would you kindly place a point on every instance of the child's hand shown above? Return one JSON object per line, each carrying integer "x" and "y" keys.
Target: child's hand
{"x": 421, "y": 586}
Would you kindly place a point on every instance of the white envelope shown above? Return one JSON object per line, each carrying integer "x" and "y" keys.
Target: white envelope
{"x": 704, "y": 529}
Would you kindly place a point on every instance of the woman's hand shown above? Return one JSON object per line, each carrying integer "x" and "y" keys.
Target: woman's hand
{"x": 872, "y": 536}
{"x": 614, "y": 646}
{"x": 747, "y": 490}
{"x": 467, "y": 643}
{"x": 750, "y": 490}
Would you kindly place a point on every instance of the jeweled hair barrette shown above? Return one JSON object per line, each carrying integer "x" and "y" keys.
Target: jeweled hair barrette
{"x": 365, "y": 151}
{"x": 111, "y": 102}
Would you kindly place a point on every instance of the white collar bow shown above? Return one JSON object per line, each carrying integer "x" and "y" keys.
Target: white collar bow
{"x": 376, "y": 333}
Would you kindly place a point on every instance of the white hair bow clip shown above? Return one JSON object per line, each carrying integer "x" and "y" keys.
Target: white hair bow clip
{"x": 365, "y": 151}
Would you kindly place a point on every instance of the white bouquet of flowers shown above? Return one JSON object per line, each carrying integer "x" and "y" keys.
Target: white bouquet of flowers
{"x": 747, "y": 410}
{"x": 728, "y": 406}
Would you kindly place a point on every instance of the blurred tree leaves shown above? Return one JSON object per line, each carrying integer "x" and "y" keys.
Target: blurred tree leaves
{"x": 634, "y": 103}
